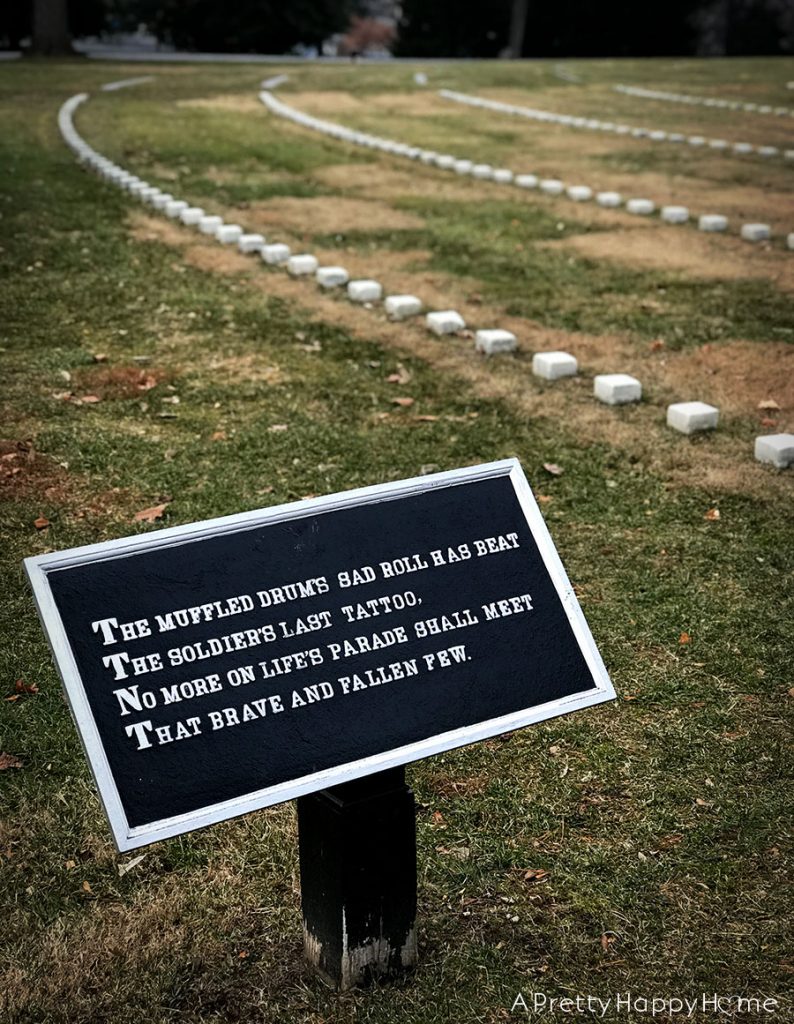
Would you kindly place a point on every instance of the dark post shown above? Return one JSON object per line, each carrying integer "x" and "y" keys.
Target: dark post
{"x": 358, "y": 879}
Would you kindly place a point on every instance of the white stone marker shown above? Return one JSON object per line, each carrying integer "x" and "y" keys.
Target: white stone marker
{"x": 617, "y": 388}
{"x": 609, "y": 199}
{"x": 398, "y": 307}
{"x": 503, "y": 176}
{"x": 275, "y": 254}
{"x": 364, "y": 290}
{"x": 445, "y": 322}
{"x": 689, "y": 417}
{"x": 553, "y": 365}
{"x": 191, "y": 215}
{"x": 768, "y": 151}
{"x": 526, "y": 180}
{"x": 331, "y": 277}
{"x": 174, "y": 207}
{"x": 580, "y": 193}
{"x": 228, "y": 234}
{"x": 696, "y": 140}
{"x": 777, "y": 449}
{"x": 148, "y": 194}
{"x": 302, "y": 265}
{"x": 463, "y": 166}
{"x": 158, "y": 202}
{"x": 743, "y": 147}
{"x": 250, "y": 243}
{"x": 718, "y": 144}
{"x": 641, "y": 206}
{"x": 482, "y": 171}
{"x": 209, "y": 225}
{"x": 755, "y": 232}
{"x": 712, "y": 222}
{"x": 552, "y": 187}
{"x": 675, "y": 214}
{"x": 790, "y": 240}
{"x": 494, "y": 341}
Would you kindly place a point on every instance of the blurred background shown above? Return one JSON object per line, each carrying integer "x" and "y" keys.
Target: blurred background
{"x": 384, "y": 29}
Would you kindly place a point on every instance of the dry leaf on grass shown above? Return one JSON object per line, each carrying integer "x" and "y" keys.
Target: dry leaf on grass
{"x": 553, "y": 468}
{"x": 684, "y": 638}
{"x": 712, "y": 515}
{"x": 769, "y": 405}
{"x": 535, "y": 875}
{"x": 149, "y": 515}
{"x": 402, "y": 376}
{"x": 41, "y": 523}
{"x": 89, "y": 399}
{"x": 277, "y": 428}
{"x": 9, "y": 761}
{"x": 403, "y": 402}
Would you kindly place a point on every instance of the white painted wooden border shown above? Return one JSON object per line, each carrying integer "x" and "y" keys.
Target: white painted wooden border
{"x": 128, "y": 838}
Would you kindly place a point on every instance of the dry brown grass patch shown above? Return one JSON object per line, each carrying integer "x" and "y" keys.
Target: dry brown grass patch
{"x": 118, "y": 382}
{"x": 330, "y": 214}
{"x": 239, "y": 103}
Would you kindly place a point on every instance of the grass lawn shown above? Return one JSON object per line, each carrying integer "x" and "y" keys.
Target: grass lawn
{"x": 644, "y": 845}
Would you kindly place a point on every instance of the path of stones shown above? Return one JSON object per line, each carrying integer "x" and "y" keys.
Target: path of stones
{"x": 611, "y": 389}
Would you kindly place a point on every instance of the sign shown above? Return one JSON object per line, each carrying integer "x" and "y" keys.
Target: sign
{"x": 223, "y": 666}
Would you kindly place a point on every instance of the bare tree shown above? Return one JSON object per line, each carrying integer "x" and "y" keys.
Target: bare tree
{"x": 518, "y": 26}
{"x": 50, "y": 28}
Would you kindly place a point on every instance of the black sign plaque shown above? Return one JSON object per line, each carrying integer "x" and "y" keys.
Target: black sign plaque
{"x": 224, "y": 666}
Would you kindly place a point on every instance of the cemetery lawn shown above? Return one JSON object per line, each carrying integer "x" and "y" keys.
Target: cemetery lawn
{"x": 643, "y": 845}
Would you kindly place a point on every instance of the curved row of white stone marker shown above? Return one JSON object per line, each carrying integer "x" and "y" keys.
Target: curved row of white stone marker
{"x": 612, "y": 389}
{"x": 702, "y": 101}
{"x": 612, "y": 127}
{"x": 671, "y": 214}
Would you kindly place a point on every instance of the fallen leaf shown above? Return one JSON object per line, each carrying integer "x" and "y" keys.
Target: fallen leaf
{"x": 147, "y": 382}
{"x": 702, "y": 803}
{"x": 426, "y": 419}
{"x": 9, "y": 761}
{"x": 544, "y": 499}
{"x": 555, "y": 751}
{"x": 684, "y": 638}
{"x": 402, "y": 376}
{"x": 535, "y": 875}
{"x": 100, "y": 357}
{"x": 657, "y": 345}
{"x": 438, "y": 818}
{"x": 606, "y": 941}
{"x": 277, "y": 428}
{"x": 553, "y": 468}
{"x": 769, "y": 405}
{"x": 89, "y": 399}
{"x": 86, "y": 887}
{"x": 243, "y": 954}
{"x": 148, "y": 515}
{"x": 41, "y": 523}
{"x": 403, "y": 402}
{"x": 130, "y": 864}
{"x": 767, "y": 422}
{"x": 219, "y": 435}
{"x": 20, "y": 686}
{"x": 70, "y": 865}
{"x": 712, "y": 515}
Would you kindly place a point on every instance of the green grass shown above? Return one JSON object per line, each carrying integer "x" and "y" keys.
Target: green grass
{"x": 663, "y": 820}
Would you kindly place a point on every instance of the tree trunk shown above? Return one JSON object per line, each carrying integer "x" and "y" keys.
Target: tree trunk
{"x": 50, "y": 29}
{"x": 518, "y": 26}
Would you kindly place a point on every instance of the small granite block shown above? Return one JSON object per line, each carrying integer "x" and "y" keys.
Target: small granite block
{"x": 331, "y": 277}
{"x": 229, "y": 234}
{"x": 174, "y": 207}
{"x": 250, "y": 243}
{"x": 398, "y": 307}
{"x": 492, "y": 342}
{"x": 553, "y": 365}
{"x": 483, "y": 171}
{"x": 720, "y": 144}
{"x": 790, "y": 240}
{"x": 148, "y": 194}
{"x": 502, "y": 175}
{"x": 552, "y": 187}
{"x": 675, "y": 214}
{"x": 617, "y": 388}
{"x": 776, "y": 449}
{"x": 301, "y": 265}
{"x": 159, "y": 201}
{"x": 445, "y": 322}
{"x": 275, "y": 254}
{"x": 743, "y": 147}
{"x": 689, "y": 417}
{"x": 609, "y": 199}
{"x": 463, "y": 166}
{"x": 755, "y": 232}
{"x": 712, "y": 222}
{"x": 696, "y": 140}
{"x": 364, "y": 291}
{"x": 768, "y": 151}
{"x": 210, "y": 224}
{"x": 580, "y": 193}
{"x": 526, "y": 180}
{"x": 641, "y": 206}
{"x": 445, "y": 162}
{"x": 191, "y": 215}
